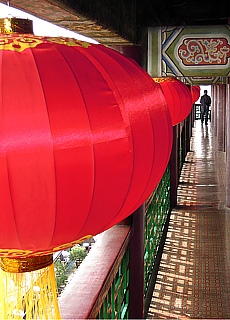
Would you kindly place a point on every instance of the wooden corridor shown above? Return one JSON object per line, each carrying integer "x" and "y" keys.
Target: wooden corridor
{"x": 193, "y": 281}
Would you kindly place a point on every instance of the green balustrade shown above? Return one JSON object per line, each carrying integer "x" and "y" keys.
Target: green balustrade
{"x": 116, "y": 302}
{"x": 156, "y": 211}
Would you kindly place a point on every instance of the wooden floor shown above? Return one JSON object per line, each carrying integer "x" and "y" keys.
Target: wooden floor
{"x": 194, "y": 276}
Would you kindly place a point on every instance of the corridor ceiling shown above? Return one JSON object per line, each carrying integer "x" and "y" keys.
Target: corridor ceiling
{"x": 123, "y": 21}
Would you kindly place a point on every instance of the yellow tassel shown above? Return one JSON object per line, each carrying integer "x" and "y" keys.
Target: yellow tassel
{"x": 29, "y": 294}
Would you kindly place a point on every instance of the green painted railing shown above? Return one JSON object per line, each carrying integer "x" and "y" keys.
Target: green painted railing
{"x": 116, "y": 302}
{"x": 156, "y": 212}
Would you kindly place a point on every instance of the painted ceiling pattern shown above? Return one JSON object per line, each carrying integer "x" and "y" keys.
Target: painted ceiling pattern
{"x": 62, "y": 16}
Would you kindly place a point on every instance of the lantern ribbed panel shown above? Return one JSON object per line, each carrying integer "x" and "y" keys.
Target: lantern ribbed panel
{"x": 85, "y": 137}
{"x": 177, "y": 96}
{"x": 195, "y": 92}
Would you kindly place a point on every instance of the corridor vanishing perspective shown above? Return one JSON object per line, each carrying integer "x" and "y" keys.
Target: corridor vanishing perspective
{"x": 194, "y": 276}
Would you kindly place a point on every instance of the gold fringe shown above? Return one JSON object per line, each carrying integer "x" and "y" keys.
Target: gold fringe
{"x": 29, "y": 295}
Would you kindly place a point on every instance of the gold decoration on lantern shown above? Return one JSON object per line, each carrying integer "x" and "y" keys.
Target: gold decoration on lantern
{"x": 16, "y": 253}
{"x": 20, "y": 42}
{"x": 160, "y": 80}
{"x": 70, "y": 42}
{"x": 25, "y": 264}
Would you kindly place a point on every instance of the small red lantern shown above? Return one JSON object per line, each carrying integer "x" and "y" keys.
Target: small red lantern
{"x": 195, "y": 92}
{"x": 178, "y": 98}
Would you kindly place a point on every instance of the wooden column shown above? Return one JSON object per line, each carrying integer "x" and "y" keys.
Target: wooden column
{"x": 174, "y": 167}
{"x": 131, "y": 51}
{"x": 188, "y": 132}
{"x": 228, "y": 144}
{"x": 136, "y": 288}
{"x": 214, "y": 108}
{"x": 221, "y": 116}
{"x": 183, "y": 144}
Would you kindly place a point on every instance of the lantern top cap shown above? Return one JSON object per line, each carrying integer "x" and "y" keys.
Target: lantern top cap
{"x": 16, "y": 25}
{"x": 165, "y": 79}
{"x": 20, "y": 42}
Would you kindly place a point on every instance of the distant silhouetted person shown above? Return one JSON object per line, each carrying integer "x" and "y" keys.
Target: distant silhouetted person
{"x": 205, "y": 102}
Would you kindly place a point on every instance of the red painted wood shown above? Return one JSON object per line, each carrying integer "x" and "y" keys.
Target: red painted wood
{"x": 80, "y": 295}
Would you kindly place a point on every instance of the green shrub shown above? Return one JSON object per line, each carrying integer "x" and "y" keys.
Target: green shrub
{"x": 77, "y": 253}
{"x": 61, "y": 274}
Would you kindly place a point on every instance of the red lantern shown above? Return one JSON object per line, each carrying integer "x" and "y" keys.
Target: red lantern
{"x": 178, "y": 98}
{"x": 195, "y": 92}
{"x": 85, "y": 138}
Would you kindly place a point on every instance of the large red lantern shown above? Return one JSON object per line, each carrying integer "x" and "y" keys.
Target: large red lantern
{"x": 195, "y": 92}
{"x": 178, "y": 98}
{"x": 85, "y": 138}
